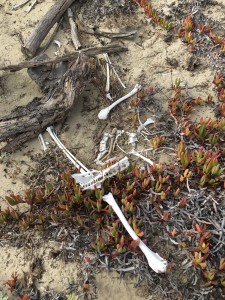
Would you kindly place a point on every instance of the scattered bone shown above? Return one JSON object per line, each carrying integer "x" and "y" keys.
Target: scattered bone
{"x": 103, "y": 114}
{"x": 110, "y": 64}
{"x": 132, "y": 139}
{"x": 103, "y": 147}
{"x": 107, "y": 87}
{"x": 156, "y": 262}
{"x": 42, "y": 142}
{"x": 74, "y": 34}
{"x": 57, "y": 43}
{"x": 133, "y": 152}
{"x": 112, "y": 143}
{"x": 20, "y": 5}
{"x": 31, "y": 6}
{"x": 143, "y": 125}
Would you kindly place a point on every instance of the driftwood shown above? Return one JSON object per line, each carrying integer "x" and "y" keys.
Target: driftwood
{"x": 68, "y": 57}
{"x": 74, "y": 34}
{"x": 28, "y": 121}
{"x": 44, "y": 26}
{"x": 109, "y": 35}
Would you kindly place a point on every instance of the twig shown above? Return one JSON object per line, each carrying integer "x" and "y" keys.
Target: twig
{"x": 73, "y": 27}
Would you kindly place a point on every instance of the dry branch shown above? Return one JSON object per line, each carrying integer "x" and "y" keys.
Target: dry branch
{"x": 44, "y": 26}
{"x": 112, "y": 48}
{"x": 30, "y": 120}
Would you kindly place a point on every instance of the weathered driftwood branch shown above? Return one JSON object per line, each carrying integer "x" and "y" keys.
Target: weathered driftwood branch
{"x": 112, "y": 48}
{"x": 44, "y": 26}
{"x": 74, "y": 34}
{"x": 110, "y": 35}
{"x": 28, "y": 121}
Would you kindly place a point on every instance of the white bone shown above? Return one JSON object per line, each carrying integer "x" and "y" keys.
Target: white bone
{"x": 102, "y": 148}
{"x": 90, "y": 180}
{"x": 143, "y": 125}
{"x": 31, "y": 6}
{"x": 117, "y": 76}
{"x": 156, "y": 262}
{"x": 142, "y": 157}
{"x": 71, "y": 157}
{"x": 20, "y": 5}
{"x": 103, "y": 114}
{"x": 57, "y": 43}
{"x": 132, "y": 138}
{"x": 42, "y": 142}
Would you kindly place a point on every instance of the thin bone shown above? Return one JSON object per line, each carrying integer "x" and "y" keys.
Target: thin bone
{"x": 71, "y": 157}
{"x": 133, "y": 152}
{"x": 107, "y": 74}
{"x": 156, "y": 262}
{"x": 20, "y": 5}
{"x": 74, "y": 34}
{"x": 143, "y": 125}
{"x": 31, "y": 6}
{"x": 103, "y": 146}
{"x": 103, "y": 114}
{"x": 57, "y": 43}
{"x": 117, "y": 76}
{"x": 42, "y": 142}
{"x": 132, "y": 138}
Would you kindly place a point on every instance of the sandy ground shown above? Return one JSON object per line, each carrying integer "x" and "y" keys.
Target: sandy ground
{"x": 147, "y": 61}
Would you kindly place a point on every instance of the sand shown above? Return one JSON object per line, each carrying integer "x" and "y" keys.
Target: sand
{"x": 147, "y": 62}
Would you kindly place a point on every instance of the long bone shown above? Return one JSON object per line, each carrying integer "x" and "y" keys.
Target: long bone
{"x": 133, "y": 152}
{"x": 103, "y": 114}
{"x": 156, "y": 262}
{"x": 107, "y": 87}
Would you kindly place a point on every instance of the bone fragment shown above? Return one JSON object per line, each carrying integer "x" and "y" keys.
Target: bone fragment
{"x": 103, "y": 114}
{"x": 42, "y": 142}
{"x": 103, "y": 147}
{"x": 143, "y": 125}
{"x": 31, "y": 6}
{"x": 133, "y": 152}
{"x": 156, "y": 262}
{"x": 20, "y": 5}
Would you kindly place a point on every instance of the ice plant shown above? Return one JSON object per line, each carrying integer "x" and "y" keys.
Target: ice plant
{"x": 157, "y": 263}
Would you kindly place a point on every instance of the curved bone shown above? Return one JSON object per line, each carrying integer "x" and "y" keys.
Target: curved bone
{"x": 103, "y": 114}
{"x": 156, "y": 262}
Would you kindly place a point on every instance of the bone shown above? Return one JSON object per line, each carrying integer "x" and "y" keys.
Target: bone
{"x": 103, "y": 147}
{"x": 156, "y": 262}
{"x": 107, "y": 87}
{"x": 42, "y": 142}
{"x": 133, "y": 152}
{"x": 103, "y": 114}
{"x": 116, "y": 74}
{"x": 143, "y": 125}
{"x": 20, "y": 5}
{"x": 70, "y": 156}
{"x": 95, "y": 178}
{"x": 31, "y": 6}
